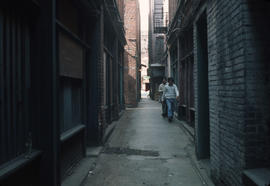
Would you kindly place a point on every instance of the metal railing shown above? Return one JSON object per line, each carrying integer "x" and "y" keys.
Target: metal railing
{"x": 160, "y": 19}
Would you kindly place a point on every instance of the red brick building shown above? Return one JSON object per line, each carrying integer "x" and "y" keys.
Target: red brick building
{"x": 132, "y": 53}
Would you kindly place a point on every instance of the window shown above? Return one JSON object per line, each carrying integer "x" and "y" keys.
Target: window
{"x": 71, "y": 58}
{"x": 14, "y": 84}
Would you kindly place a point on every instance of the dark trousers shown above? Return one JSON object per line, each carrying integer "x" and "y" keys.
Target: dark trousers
{"x": 164, "y": 107}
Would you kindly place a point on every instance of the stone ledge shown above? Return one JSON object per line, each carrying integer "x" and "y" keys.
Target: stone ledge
{"x": 80, "y": 172}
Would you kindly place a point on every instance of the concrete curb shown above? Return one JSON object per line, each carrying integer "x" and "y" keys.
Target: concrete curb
{"x": 199, "y": 166}
{"x": 109, "y": 130}
{"x": 84, "y": 168}
{"x": 80, "y": 172}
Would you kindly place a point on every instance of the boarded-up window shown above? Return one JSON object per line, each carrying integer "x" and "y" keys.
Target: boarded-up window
{"x": 70, "y": 57}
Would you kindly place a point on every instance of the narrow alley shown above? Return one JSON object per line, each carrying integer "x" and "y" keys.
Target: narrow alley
{"x": 134, "y": 93}
{"x": 145, "y": 149}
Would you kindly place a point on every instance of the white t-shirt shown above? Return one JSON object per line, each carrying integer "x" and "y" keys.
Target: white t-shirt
{"x": 161, "y": 90}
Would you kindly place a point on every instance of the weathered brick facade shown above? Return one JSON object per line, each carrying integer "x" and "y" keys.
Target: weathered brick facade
{"x": 110, "y": 68}
{"x": 257, "y": 119}
{"x": 226, "y": 83}
{"x": 132, "y": 52}
{"x": 231, "y": 84}
{"x": 238, "y": 85}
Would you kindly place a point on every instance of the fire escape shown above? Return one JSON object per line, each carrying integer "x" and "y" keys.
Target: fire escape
{"x": 160, "y": 19}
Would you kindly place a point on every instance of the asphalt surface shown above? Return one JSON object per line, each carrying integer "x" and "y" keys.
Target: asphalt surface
{"x": 145, "y": 149}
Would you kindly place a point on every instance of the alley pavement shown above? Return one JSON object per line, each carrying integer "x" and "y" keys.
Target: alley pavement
{"x": 145, "y": 149}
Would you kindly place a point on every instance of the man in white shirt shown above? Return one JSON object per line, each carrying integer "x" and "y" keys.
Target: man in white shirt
{"x": 171, "y": 94}
{"x": 162, "y": 99}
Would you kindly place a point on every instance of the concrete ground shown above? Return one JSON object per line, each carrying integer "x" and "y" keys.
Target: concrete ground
{"x": 145, "y": 149}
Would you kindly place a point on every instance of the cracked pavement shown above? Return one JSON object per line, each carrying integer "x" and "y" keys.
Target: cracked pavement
{"x": 145, "y": 149}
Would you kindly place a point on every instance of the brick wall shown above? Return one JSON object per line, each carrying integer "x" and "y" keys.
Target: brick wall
{"x": 238, "y": 77}
{"x": 110, "y": 47}
{"x": 226, "y": 90}
{"x": 130, "y": 83}
{"x": 132, "y": 50}
{"x": 257, "y": 118}
{"x": 101, "y": 80}
{"x": 138, "y": 49}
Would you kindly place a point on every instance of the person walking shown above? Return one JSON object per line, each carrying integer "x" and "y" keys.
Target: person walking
{"x": 162, "y": 99}
{"x": 171, "y": 94}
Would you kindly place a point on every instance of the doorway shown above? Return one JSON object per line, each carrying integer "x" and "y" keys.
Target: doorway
{"x": 203, "y": 131}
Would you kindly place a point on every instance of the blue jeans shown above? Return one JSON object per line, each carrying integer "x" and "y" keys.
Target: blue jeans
{"x": 170, "y": 106}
